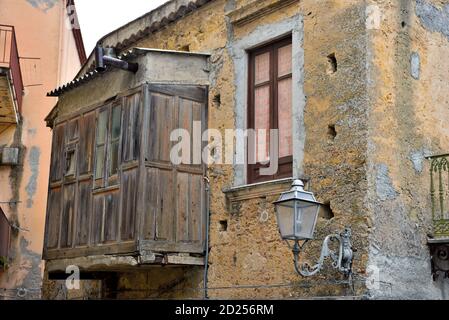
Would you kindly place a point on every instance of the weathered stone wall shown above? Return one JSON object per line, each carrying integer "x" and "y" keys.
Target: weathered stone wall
{"x": 153, "y": 283}
{"x": 247, "y": 258}
{"x": 408, "y": 86}
{"x": 371, "y": 104}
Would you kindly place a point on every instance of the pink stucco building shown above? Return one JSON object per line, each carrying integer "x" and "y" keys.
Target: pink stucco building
{"x": 40, "y": 47}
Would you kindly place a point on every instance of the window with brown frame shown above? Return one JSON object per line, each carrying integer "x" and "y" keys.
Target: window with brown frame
{"x": 270, "y": 107}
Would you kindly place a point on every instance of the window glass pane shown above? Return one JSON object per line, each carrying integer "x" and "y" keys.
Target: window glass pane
{"x": 70, "y": 163}
{"x": 285, "y": 60}
{"x": 116, "y": 122}
{"x": 113, "y": 169}
{"x": 262, "y": 121}
{"x": 262, "y": 68}
{"x": 99, "y": 165}
{"x": 285, "y": 117}
{"x": 102, "y": 127}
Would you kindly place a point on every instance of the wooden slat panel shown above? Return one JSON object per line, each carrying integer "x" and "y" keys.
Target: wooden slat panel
{"x": 166, "y": 211}
{"x": 185, "y": 121}
{"x": 136, "y": 125}
{"x": 129, "y": 200}
{"x": 183, "y": 207}
{"x": 84, "y": 213}
{"x": 87, "y": 136}
{"x": 194, "y": 93}
{"x": 68, "y": 216}
{"x": 189, "y": 207}
{"x": 197, "y": 208}
{"x": 131, "y": 128}
{"x": 161, "y": 125}
{"x": 151, "y": 203}
{"x": 72, "y": 130}
{"x": 97, "y": 221}
{"x": 198, "y": 116}
{"x": 57, "y": 156}
{"x": 125, "y": 134}
{"x": 54, "y": 216}
{"x": 111, "y": 216}
{"x": 105, "y": 249}
{"x": 180, "y": 221}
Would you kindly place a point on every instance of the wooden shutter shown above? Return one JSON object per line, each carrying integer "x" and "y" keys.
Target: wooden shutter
{"x": 174, "y": 201}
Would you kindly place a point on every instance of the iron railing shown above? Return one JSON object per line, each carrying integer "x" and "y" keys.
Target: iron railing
{"x": 439, "y": 194}
{"x": 9, "y": 59}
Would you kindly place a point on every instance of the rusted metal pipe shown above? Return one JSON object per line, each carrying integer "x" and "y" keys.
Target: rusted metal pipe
{"x": 104, "y": 59}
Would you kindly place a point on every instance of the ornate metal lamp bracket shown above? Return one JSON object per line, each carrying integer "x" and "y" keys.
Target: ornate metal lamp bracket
{"x": 342, "y": 261}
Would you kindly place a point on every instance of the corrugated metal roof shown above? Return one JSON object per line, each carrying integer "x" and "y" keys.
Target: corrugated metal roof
{"x": 73, "y": 84}
{"x": 127, "y": 55}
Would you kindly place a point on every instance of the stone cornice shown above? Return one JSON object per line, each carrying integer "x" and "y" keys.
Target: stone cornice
{"x": 256, "y": 9}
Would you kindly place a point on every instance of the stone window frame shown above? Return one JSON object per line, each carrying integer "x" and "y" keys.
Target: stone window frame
{"x": 239, "y": 50}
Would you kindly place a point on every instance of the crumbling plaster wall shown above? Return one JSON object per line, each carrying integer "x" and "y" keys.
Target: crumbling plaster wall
{"x": 408, "y": 89}
{"x": 25, "y": 185}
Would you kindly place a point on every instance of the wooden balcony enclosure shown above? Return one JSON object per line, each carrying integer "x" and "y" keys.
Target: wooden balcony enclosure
{"x": 113, "y": 190}
{"x": 11, "y": 83}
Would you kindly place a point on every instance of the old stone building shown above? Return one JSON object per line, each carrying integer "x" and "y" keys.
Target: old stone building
{"x": 358, "y": 91}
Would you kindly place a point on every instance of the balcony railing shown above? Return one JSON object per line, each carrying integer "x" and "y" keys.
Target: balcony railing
{"x": 439, "y": 194}
{"x": 9, "y": 59}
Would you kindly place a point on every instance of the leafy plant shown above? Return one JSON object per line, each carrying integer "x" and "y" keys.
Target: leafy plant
{"x": 3, "y": 262}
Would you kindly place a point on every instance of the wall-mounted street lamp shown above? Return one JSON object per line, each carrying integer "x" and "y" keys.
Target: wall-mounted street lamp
{"x": 297, "y": 212}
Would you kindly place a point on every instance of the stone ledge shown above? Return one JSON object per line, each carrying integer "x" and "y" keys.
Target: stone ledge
{"x": 238, "y": 194}
{"x": 256, "y": 9}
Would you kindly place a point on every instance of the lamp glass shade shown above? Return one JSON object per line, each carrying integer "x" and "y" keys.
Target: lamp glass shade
{"x": 297, "y": 219}
{"x": 285, "y": 217}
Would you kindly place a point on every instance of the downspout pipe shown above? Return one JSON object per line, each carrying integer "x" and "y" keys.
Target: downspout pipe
{"x": 206, "y": 257}
{"x": 105, "y": 57}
